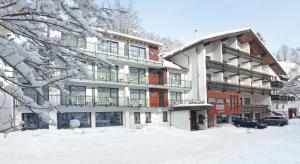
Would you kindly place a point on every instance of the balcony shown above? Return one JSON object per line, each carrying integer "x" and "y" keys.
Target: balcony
{"x": 282, "y": 98}
{"x": 237, "y": 70}
{"x": 254, "y": 108}
{"x": 134, "y": 79}
{"x": 240, "y": 54}
{"x": 220, "y": 86}
{"x": 277, "y": 84}
{"x": 113, "y": 53}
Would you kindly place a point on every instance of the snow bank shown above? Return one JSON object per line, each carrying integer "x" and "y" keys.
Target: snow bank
{"x": 294, "y": 122}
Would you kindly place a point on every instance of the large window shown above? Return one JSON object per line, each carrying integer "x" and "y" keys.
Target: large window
{"x": 107, "y": 96}
{"x": 148, "y": 117}
{"x": 76, "y": 97}
{"x": 175, "y": 79}
{"x": 109, "y": 119}
{"x": 109, "y": 46}
{"x": 63, "y": 119}
{"x": 74, "y": 41}
{"x": 38, "y": 98}
{"x": 107, "y": 73}
{"x": 137, "y": 75}
{"x": 137, "y": 117}
{"x": 176, "y": 98}
{"x": 137, "y": 97}
{"x": 137, "y": 52}
{"x": 165, "y": 116}
{"x": 33, "y": 121}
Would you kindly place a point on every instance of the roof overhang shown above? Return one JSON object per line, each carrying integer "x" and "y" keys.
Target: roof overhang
{"x": 192, "y": 107}
{"x": 243, "y": 35}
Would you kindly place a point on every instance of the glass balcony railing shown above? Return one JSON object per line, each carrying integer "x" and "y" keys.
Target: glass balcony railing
{"x": 134, "y": 79}
{"x": 101, "y": 49}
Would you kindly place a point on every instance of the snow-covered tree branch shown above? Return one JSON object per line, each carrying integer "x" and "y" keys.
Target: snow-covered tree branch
{"x": 31, "y": 58}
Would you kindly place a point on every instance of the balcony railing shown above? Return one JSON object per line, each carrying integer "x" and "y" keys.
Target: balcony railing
{"x": 240, "y": 54}
{"x": 282, "y": 98}
{"x": 276, "y": 84}
{"x": 134, "y": 79}
{"x": 102, "y": 50}
{"x": 254, "y": 108}
{"x": 237, "y": 70}
{"x": 94, "y": 101}
{"x": 220, "y": 86}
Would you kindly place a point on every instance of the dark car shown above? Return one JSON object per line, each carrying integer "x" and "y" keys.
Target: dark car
{"x": 249, "y": 123}
{"x": 275, "y": 120}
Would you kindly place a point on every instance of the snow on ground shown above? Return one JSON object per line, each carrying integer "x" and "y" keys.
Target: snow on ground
{"x": 154, "y": 144}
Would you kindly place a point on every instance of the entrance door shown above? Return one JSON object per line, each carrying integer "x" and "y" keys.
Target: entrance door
{"x": 161, "y": 98}
{"x": 292, "y": 112}
{"x": 193, "y": 120}
{"x": 160, "y": 77}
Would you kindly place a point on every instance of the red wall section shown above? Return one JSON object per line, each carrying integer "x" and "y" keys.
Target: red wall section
{"x": 154, "y": 97}
{"x": 154, "y": 76}
{"x": 153, "y": 53}
{"x": 225, "y": 96}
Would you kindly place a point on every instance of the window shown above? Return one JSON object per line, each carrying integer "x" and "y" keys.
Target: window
{"x": 109, "y": 119}
{"x": 137, "y": 97}
{"x": 108, "y": 46}
{"x": 107, "y": 73}
{"x": 148, "y": 117}
{"x": 76, "y": 96}
{"x": 63, "y": 119}
{"x": 137, "y": 52}
{"x": 165, "y": 116}
{"x": 137, "y": 75}
{"x": 211, "y": 100}
{"x": 219, "y": 101}
{"x": 33, "y": 121}
{"x": 222, "y": 119}
{"x": 175, "y": 79}
{"x": 74, "y": 41}
{"x": 176, "y": 97}
{"x": 107, "y": 96}
{"x": 208, "y": 77}
{"x": 247, "y": 101}
{"x": 137, "y": 117}
{"x": 32, "y": 93}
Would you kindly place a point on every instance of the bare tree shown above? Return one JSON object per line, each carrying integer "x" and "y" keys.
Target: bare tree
{"x": 32, "y": 59}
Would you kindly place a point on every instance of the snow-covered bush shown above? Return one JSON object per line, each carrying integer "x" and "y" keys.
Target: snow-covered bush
{"x": 74, "y": 123}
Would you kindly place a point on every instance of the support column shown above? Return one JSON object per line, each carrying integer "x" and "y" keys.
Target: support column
{"x": 93, "y": 119}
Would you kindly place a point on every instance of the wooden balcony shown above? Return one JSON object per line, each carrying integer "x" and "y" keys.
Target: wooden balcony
{"x": 237, "y": 70}
{"x": 220, "y": 86}
{"x": 240, "y": 54}
{"x": 282, "y": 98}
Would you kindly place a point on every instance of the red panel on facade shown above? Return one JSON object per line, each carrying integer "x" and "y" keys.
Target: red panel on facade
{"x": 157, "y": 76}
{"x": 158, "y": 97}
{"x": 224, "y": 102}
{"x": 153, "y": 53}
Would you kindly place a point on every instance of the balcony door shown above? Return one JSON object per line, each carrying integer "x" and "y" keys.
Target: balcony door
{"x": 162, "y": 98}
{"x": 160, "y": 77}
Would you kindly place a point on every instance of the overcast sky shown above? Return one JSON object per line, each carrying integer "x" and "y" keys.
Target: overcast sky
{"x": 278, "y": 21}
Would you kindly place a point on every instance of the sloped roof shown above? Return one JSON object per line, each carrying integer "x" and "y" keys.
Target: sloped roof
{"x": 130, "y": 37}
{"x": 244, "y": 35}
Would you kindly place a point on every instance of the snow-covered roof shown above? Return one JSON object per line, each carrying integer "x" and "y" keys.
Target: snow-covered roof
{"x": 169, "y": 64}
{"x": 223, "y": 35}
{"x": 130, "y": 37}
{"x": 203, "y": 39}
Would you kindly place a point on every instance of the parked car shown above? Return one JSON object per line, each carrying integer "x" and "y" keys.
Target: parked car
{"x": 249, "y": 123}
{"x": 275, "y": 120}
